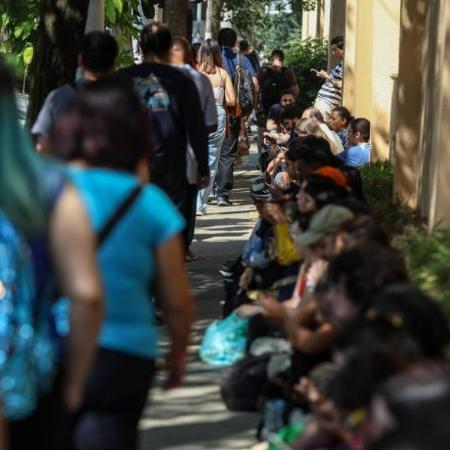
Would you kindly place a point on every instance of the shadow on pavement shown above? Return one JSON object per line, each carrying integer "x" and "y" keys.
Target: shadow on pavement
{"x": 194, "y": 417}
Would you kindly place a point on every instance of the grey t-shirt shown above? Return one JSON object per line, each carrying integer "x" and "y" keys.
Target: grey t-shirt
{"x": 208, "y": 105}
{"x": 54, "y": 105}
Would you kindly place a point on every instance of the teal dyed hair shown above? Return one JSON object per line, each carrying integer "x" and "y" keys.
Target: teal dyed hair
{"x": 22, "y": 188}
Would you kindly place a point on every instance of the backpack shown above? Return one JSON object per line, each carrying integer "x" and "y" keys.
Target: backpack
{"x": 274, "y": 83}
{"x": 243, "y": 86}
{"x": 28, "y": 347}
{"x": 243, "y": 384}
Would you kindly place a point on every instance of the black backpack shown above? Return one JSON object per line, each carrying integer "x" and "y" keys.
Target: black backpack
{"x": 243, "y": 86}
{"x": 243, "y": 383}
{"x": 274, "y": 83}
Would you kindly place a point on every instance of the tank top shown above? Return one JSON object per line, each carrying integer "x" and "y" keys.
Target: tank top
{"x": 219, "y": 92}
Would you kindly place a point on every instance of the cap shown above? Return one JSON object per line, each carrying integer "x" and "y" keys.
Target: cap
{"x": 325, "y": 222}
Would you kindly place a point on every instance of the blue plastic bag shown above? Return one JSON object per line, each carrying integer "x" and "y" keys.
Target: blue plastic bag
{"x": 225, "y": 341}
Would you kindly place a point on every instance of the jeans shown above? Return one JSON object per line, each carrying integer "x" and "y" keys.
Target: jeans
{"x": 215, "y": 141}
{"x": 224, "y": 178}
{"x": 115, "y": 396}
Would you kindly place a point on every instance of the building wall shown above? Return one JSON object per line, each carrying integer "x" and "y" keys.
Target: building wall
{"x": 410, "y": 99}
{"x": 371, "y": 64}
{"x": 316, "y": 23}
{"x": 397, "y": 74}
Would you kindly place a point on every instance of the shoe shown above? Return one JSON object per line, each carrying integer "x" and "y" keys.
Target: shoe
{"x": 201, "y": 212}
{"x": 212, "y": 198}
{"x": 259, "y": 190}
{"x": 190, "y": 256}
{"x": 226, "y": 274}
{"x": 223, "y": 201}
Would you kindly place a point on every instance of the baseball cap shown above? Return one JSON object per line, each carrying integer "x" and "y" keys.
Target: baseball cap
{"x": 325, "y": 222}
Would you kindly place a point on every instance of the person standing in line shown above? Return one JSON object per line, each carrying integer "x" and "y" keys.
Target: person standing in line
{"x": 39, "y": 202}
{"x": 250, "y": 53}
{"x": 182, "y": 57}
{"x": 96, "y": 59}
{"x": 275, "y": 78}
{"x": 104, "y": 136}
{"x": 330, "y": 94}
{"x": 224, "y": 180}
{"x": 173, "y": 103}
{"x": 211, "y": 66}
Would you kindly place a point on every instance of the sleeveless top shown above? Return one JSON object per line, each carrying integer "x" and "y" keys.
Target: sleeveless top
{"x": 219, "y": 92}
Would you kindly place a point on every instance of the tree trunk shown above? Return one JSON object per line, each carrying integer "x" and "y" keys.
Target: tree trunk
{"x": 213, "y": 12}
{"x": 176, "y": 16}
{"x": 96, "y": 16}
{"x": 56, "y": 45}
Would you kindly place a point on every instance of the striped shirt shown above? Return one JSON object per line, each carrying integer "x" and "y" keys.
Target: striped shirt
{"x": 329, "y": 93}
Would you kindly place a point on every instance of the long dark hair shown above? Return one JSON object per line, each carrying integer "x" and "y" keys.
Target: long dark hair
{"x": 106, "y": 126}
{"x": 210, "y": 57}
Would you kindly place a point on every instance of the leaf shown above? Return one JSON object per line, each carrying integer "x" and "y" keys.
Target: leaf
{"x": 28, "y": 55}
{"x": 110, "y": 11}
{"x": 118, "y": 4}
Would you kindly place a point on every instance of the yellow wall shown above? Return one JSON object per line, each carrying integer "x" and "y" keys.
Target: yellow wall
{"x": 371, "y": 59}
{"x": 397, "y": 74}
{"x": 410, "y": 99}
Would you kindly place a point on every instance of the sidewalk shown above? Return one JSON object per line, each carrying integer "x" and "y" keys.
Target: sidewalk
{"x": 193, "y": 417}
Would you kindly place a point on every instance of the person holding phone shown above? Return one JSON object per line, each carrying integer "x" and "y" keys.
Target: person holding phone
{"x": 330, "y": 94}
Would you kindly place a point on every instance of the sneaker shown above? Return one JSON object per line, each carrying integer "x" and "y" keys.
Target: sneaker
{"x": 260, "y": 191}
{"x": 190, "y": 256}
{"x": 201, "y": 212}
{"x": 212, "y": 198}
{"x": 223, "y": 201}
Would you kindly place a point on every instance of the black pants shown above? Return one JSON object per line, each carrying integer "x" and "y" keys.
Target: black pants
{"x": 115, "y": 396}
{"x": 49, "y": 428}
{"x": 224, "y": 177}
{"x": 176, "y": 187}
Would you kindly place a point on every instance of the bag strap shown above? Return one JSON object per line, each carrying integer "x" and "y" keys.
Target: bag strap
{"x": 240, "y": 60}
{"x": 103, "y": 234}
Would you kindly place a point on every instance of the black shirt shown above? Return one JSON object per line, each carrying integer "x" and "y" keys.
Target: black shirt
{"x": 177, "y": 117}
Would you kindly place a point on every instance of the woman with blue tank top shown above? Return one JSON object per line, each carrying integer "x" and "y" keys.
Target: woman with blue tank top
{"x": 211, "y": 65}
{"x": 105, "y": 137}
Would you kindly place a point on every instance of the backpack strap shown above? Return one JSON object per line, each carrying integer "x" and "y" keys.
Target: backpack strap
{"x": 240, "y": 60}
{"x": 117, "y": 215}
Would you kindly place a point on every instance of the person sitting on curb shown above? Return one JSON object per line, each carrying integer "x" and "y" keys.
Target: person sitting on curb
{"x": 358, "y": 154}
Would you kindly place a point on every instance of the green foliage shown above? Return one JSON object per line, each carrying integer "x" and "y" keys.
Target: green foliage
{"x": 276, "y": 31}
{"x": 378, "y": 185}
{"x": 301, "y": 56}
{"x": 428, "y": 258}
{"x": 18, "y": 20}
{"x": 427, "y": 255}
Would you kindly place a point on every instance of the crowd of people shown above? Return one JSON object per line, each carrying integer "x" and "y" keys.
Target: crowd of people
{"x": 96, "y": 223}
{"x": 342, "y": 351}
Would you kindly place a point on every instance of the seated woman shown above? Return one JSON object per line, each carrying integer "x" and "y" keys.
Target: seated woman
{"x": 315, "y": 114}
{"x": 105, "y": 137}
{"x": 339, "y": 120}
{"x": 358, "y": 153}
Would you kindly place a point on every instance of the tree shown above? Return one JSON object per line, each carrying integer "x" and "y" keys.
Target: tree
{"x": 175, "y": 16}
{"x": 213, "y": 15}
{"x": 56, "y": 45}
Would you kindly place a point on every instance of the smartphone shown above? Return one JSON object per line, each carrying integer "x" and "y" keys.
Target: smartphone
{"x": 315, "y": 71}
{"x": 255, "y": 294}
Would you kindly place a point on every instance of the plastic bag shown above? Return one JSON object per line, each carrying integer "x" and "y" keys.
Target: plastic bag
{"x": 225, "y": 341}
